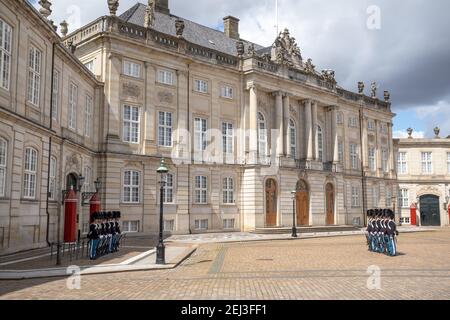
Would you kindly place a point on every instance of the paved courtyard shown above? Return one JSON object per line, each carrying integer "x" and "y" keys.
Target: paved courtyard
{"x": 322, "y": 268}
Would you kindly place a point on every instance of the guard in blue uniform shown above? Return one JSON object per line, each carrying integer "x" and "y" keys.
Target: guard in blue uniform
{"x": 93, "y": 237}
{"x": 392, "y": 234}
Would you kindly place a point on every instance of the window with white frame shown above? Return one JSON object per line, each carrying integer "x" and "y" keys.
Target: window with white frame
{"x": 131, "y": 124}
{"x": 384, "y": 160}
{"x": 354, "y": 156}
{"x": 55, "y": 94}
{"x": 339, "y": 118}
{"x": 228, "y": 190}
{"x": 5, "y": 54}
{"x": 90, "y": 66}
{"x": 293, "y": 139}
{"x": 229, "y": 224}
{"x": 262, "y": 135}
{"x": 85, "y": 228}
{"x": 201, "y": 224}
{"x": 34, "y": 75}
{"x": 87, "y": 173}
{"x": 3, "y": 162}
{"x": 130, "y": 226}
{"x": 355, "y": 197}
{"x": 319, "y": 143}
{"x": 403, "y": 198}
{"x": 52, "y": 182}
{"x": 402, "y": 164}
{"x": 448, "y": 162}
{"x": 427, "y": 165}
{"x": 88, "y": 117}
{"x": 376, "y": 195}
{"x": 201, "y": 86}
{"x": 73, "y": 101}
{"x": 371, "y": 125}
{"x": 168, "y": 188}
{"x": 227, "y": 137}
{"x": 131, "y": 186}
{"x": 201, "y": 190}
{"x": 341, "y": 151}
{"x": 388, "y": 196}
{"x": 169, "y": 225}
{"x": 165, "y": 77}
{"x": 200, "y": 130}
{"x": 353, "y": 122}
{"x": 30, "y": 174}
{"x": 384, "y": 128}
{"x": 372, "y": 163}
{"x": 165, "y": 129}
{"x": 131, "y": 69}
{"x": 227, "y": 92}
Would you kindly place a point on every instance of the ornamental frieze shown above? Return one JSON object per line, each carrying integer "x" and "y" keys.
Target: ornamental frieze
{"x": 165, "y": 97}
{"x": 131, "y": 90}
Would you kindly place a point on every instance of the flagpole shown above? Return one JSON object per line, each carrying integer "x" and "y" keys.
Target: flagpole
{"x": 276, "y": 13}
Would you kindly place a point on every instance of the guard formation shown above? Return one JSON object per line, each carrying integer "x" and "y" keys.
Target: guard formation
{"x": 104, "y": 233}
{"x": 382, "y": 232}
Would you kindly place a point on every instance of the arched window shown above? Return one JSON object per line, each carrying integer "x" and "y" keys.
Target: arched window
{"x": 262, "y": 135}
{"x": 293, "y": 138}
{"x": 30, "y": 173}
{"x": 131, "y": 186}
{"x": 3, "y": 160}
{"x": 319, "y": 144}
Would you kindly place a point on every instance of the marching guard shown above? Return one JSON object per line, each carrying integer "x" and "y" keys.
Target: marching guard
{"x": 104, "y": 234}
{"x": 381, "y": 232}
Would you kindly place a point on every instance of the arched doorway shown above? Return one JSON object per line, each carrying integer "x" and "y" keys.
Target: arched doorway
{"x": 329, "y": 191}
{"x": 302, "y": 203}
{"x": 72, "y": 181}
{"x": 430, "y": 210}
{"x": 271, "y": 203}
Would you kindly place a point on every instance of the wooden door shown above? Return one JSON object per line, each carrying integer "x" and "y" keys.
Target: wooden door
{"x": 271, "y": 203}
{"x": 302, "y": 205}
{"x": 330, "y": 204}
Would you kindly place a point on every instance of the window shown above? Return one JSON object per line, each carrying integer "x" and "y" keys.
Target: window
{"x": 88, "y": 117}
{"x": 52, "y": 182}
{"x": 448, "y": 162}
{"x": 227, "y": 92}
{"x": 200, "y": 128}
{"x": 384, "y": 128}
{"x": 169, "y": 225}
{"x": 201, "y": 189}
{"x": 168, "y": 188}
{"x": 427, "y": 166}
{"x": 354, "y": 156}
{"x": 165, "y": 129}
{"x": 29, "y": 181}
{"x": 131, "y": 124}
{"x": 388, "y": 196}
{"x": 384, "y": 160}
{"x": 229, "y": 224}
{"x": 34, "y": 76}
{"x": 228, "y": 191}
{"x": 131, "y": 193}
{"x": 353, "y": 122}
{"x": 405, "y": 220}
{"x": 371, "y": 125}
{"x": 319, "y": 144}
{"x": 403, "y": 198}
{"x": 3, "y": 161}
{"x": 132, "y": 69}
{"x": 339, "y": 118}
{"x": 201, "y": 86}
{"x": 73, "y": 100}
{"x": 341, "y": 151}
{"x": 5, "y": 54}
{"x": 85, "y": 228}
{"x": 87, "y": 173}
{"x": 402, "y": 164}
{"x": 372, "y": 164}
{"x": 376, "y": 196}
{"x": 55, "y": 94}
{"x": 293, "y": 139}
{"x": 90, "y": 66}
{"x": 227, "y": 137}
{"x": 201, "y": 224}
{"x": 262, "y": 136}
{"x": 165, "y": 77}
{"x": 130, "y": 226}
{"x": 355, "y": 197}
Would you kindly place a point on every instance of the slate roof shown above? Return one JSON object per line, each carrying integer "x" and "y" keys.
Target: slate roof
{"x": 193, "y": 32}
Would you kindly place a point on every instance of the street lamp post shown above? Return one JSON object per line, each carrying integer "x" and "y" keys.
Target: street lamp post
{"x": 294, "y": 228}
{"x": 80, "y": 210}
{"x": 160, "y": 249}
{"x": 393, "y": 205}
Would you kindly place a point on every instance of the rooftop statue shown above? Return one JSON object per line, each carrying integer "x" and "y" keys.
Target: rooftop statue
{"x": 285, "y": 50}
{"x": 309, "y": 67}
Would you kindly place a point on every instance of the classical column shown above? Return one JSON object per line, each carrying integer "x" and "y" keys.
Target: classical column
{"x": 391, "y": 149}
{"x": 365, "y": 144}
{"x": 334, "y": 135}
{"x": 253, "y": 139}
{"x": 279, "y": 123}
{"x": 285, "y": 132}
{"x": 314, "y": 130}
{"x": 308, "y": 130}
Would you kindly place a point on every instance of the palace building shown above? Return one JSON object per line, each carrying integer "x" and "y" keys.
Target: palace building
{"x": 245, "y": 129}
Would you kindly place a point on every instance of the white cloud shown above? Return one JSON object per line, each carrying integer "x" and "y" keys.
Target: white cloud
{"x": 402, "y": 134}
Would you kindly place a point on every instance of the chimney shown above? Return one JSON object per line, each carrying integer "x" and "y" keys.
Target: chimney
{"x": 162, "y": 6}
{"x": 231, "y": 27}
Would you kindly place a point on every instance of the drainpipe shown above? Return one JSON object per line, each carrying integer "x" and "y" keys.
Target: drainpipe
{"x": 189, "y": 143}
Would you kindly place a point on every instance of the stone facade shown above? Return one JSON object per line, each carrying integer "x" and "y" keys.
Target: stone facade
{"x": 159, "y": 91}
{"x": 423, "y": 167}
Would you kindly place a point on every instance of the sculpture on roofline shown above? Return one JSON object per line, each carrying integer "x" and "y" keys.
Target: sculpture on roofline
{"x": 179, "y": 27}
{"x": 329, "y": 75}
{"x": 361, "y": 87}
{"x": 285, "y": 50}
{"x": 240, "y": 48}
{"x": 149, "y": 18}
{"x": 374, "y": 90}
{"x": 113, "y": 5}
{"x": 309, "y": 67}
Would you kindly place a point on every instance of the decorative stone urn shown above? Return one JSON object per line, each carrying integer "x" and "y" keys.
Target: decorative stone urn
{"x": 113, "y": 5}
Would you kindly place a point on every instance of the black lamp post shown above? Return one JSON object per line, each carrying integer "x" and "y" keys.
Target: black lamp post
{"x": 160, "y": 249}
{"x": 80, "y": 209}
{"x": 294, "y": 228}
{"x": 97, "y": 184}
